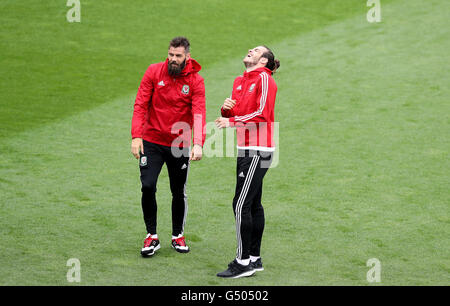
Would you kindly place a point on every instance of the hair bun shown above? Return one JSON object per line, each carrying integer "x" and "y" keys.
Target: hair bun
{"x": 277, "y": 65}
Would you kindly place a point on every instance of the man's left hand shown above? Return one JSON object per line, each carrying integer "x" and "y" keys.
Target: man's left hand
{"x": 196, "y": 153}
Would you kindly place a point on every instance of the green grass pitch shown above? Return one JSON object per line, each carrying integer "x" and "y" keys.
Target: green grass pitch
{"x": 363, "y": 111}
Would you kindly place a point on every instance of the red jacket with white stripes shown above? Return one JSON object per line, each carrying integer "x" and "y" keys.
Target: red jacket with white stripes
{"x": 167, "y": 108}
{"x": 253, "y": 114}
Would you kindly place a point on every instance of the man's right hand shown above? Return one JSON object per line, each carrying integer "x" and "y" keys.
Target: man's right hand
{"x": 137, "y": 147}
{"x": 228, "y": 104}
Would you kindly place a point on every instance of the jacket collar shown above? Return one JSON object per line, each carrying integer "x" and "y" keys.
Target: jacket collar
{"x": 257, "y": 72}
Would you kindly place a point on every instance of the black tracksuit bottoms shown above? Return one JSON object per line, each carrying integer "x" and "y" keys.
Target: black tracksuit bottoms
{"x": 251, "y": 167}
{"x": 150, "y": 164}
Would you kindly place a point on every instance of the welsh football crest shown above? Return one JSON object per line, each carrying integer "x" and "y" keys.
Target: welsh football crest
{"x": 185, "y": 89}
{"x": 143, "y": 161}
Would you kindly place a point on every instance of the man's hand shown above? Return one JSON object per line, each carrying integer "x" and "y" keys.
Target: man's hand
{"x": 228, "y": 104}
{"x": 196, "y": 153}
{"x": 137, "y": 147}
{"x": 222, "y": 122}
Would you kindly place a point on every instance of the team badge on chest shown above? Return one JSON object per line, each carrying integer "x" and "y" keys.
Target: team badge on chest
{"x": 185, "y": 89}
{"x": 251, "y": 88}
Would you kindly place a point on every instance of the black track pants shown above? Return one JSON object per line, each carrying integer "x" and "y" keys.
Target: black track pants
{"x": 248, "y": 210}
{"x": 150, "y": 164}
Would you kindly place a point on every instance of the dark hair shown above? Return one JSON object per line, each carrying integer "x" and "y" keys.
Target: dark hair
{"x": 272, "y": 63}
{"x": 180, "y": 41}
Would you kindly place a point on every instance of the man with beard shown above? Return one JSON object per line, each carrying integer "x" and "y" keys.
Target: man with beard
{"x": 251, "y": 110}
{"x": 170, "y": 103}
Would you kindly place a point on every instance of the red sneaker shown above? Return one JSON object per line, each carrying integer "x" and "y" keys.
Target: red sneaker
{"x": 151, "y": 245}
{"x": 179, "y": 244}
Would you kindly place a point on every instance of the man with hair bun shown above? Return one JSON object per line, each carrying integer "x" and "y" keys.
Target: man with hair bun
{"x": 250, "y": 109}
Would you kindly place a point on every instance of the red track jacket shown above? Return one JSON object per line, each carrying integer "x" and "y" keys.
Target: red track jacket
{"x": 253, "y": 114}
{"x": 168, "y": 108}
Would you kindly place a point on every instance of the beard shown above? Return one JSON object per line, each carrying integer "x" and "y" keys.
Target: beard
{"x": 174, "y": 68}
{"x": 250, "y": 63}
